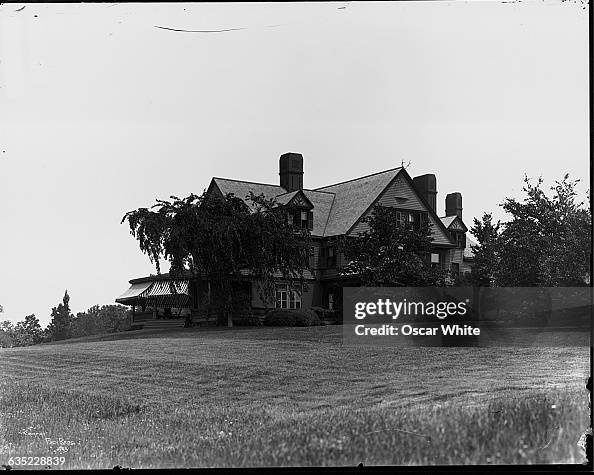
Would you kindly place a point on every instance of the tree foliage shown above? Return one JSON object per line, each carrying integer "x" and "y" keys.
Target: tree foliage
{"x": 101, "y": 319}
{"x": 546, "y": 241}
{"x": 486, "y": 253}
{"x": 223, "y": 240}
{"x": 391, "y": 255}
{"x": 7, "y": 337}
{"x": 29, "y": 331}
{"x": 59, "y": 327}
{"x": 24, "y": 333}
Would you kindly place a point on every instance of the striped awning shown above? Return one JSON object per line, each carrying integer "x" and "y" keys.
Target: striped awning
{"x": 162, "y": 288}
{"x": 133, "y": 292}
{"x": 161, "y": 293}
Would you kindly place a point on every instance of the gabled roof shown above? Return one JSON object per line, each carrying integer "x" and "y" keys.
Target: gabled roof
{"x": 449, "y": 221}
{"x": 352, "y": 198}
{"x": 286, "y": 197}
{"x": 292, "y": 197}
{"x": 337, "y": 208}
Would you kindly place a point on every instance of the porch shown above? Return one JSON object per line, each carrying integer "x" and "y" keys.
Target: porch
{"x": 164, "y": 302}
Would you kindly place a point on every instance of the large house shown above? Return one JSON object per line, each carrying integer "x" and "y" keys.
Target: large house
{"x": 328, "y": 212}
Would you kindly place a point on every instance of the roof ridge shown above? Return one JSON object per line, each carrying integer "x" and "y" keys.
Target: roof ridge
{"x": 287, "y": 193}
{"x": 359, "y": 178}
{"x": 320, "y": 191}
{"x": 245, "y": 181}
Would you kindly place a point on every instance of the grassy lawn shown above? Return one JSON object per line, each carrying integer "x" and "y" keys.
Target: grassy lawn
{"x": 288, "y": 396}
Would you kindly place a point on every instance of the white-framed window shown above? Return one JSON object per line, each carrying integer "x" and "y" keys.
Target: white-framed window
{"x": 304, "y": 219}
{"x": 286, "y": 298}
{"x": 434, "y": 258}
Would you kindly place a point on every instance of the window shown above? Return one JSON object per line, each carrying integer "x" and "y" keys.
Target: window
{"x": 331, "y": 301}
{"x": 290, "y": 218}
{"x": 413, "y": 218}
{"x": 434, "y": 259}
{"x": 301, "y": 219}
{"x": 286, "y": 298}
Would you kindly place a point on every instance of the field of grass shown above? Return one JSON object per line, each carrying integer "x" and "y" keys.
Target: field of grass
{"x": 288, "y": 397}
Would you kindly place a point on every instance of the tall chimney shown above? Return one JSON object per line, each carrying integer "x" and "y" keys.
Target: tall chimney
{"x": 453, "y": 203}
{"x": 426, "y": 185}
{"x": 291, "y": 171}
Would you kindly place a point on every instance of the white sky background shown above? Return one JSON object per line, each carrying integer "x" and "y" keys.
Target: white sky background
{"x": 101, "y": 113}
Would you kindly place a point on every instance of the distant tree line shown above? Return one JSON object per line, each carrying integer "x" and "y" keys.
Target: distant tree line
{"x": 64, "y": 325}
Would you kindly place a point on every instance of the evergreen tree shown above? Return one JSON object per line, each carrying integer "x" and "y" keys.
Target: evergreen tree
{"x": 59, "y": 327}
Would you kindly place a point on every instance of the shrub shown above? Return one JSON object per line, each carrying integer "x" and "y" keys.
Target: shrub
{"x": 291, "y": 318}
{"x": 247, "y": 321}
{"x": 306, "y": 318}
{"x": 280, "y": 318}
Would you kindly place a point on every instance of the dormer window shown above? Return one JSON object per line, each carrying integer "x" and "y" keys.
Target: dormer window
{"x": 304, "y": 219}
{"x": 301, "y": 219}
{"x": 299, "y": 211}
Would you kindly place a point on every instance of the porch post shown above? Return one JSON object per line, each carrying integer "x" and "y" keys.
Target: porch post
{"x": 133, "y": 312}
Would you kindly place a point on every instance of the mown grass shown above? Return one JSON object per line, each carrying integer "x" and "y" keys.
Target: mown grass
{"x": 286, "y": 397}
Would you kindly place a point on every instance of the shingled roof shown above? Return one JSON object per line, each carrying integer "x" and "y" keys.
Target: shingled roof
{"x": 353, "y": 197}
{"x": 336, "y": 207}
{"x": 241, "y": 189}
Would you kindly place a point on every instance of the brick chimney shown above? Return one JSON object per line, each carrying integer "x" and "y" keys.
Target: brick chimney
{"x": 426, "y": 185}
{"x": 291, "y": 171}
{"x": 453, "y": 204}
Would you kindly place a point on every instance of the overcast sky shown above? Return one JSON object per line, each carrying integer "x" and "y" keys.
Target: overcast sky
{"x": 101, "y": 112}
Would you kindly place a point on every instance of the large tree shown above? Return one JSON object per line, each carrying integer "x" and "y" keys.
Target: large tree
{"x": 546, "y": 242}
{"x": 59, "y": 327}
{"x": 391, "y": 255}
{"x": 223, "y": 240}
{"x": 29, "y": 331}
